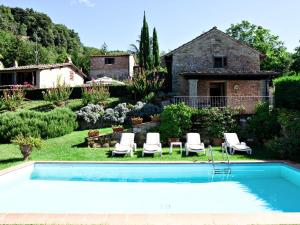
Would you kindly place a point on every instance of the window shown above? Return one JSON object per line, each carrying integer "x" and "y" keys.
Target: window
{"x": 220, "y": 62}
{"x": 109, "y": 60}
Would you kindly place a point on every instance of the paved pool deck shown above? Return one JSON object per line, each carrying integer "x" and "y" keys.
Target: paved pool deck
{"x": 149, "y": 219}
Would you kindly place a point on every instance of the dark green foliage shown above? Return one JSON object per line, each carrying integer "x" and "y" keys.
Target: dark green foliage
{"x": 277, "y": 57}
{"x": 287, "y": 146}
{"x": 295, "y": 66}
{"x": 155, "y": 51}
{"x": 287, "y": 94}
{"x": 20, "y": 29}
{"x": 264, "y": 123}
{"x": 175, "y": 121}
{"x": 51, "y": 124}
{"x": 214, "y": 122}
{"x": 145, "y": 58}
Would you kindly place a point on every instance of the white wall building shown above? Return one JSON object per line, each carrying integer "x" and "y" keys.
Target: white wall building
{"x": 42, "y": 76}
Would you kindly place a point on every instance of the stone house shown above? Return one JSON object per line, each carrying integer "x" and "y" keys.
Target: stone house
{"x": 42, "y": 75}
{"x": 215, "y": 70}
{"x": 118, "y": 67}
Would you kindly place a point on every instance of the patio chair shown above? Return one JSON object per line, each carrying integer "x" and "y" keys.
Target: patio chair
{"x": 194, "y": 143}
{"x": 152, "y": 144}
{"x": 126, "y": 145}
{"x": 233, "y": 143}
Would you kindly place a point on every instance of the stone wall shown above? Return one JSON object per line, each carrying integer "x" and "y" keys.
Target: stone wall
{"x": 121, "y": 69}
{"x": 198, "y": 55}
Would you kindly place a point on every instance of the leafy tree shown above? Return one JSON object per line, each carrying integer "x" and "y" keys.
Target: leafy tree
{"x": 104, "y": 48}
{"x": 295, "y": 66}
{"x": 156, "y": 58}
{"x": 145, "y": 58}
{"x": 277, "y": 57}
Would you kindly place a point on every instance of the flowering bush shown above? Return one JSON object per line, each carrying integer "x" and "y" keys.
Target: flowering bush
{"x": 116, "y": 115}
{"x": 59, "y": 94}
{"x": 89, "y": 117}
{"x": 143, "y": 84}
{"x": 145, "y": 110}
{"x": 13, "y": 98}
{"x": 94, "y": 94}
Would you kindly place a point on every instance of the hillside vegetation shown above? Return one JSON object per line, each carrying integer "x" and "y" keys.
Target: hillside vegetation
{"x": 23, "y": 31}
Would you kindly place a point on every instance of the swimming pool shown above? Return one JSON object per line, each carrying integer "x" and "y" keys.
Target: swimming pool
{"x": 150, "y": 188}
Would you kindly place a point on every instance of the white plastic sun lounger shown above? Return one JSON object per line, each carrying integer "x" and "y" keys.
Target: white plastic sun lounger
{"x": 194, "y": 143}
{"x": 152, "y": 144}
{"x": 233, "y": 143}
{"x": 126, "y": 145}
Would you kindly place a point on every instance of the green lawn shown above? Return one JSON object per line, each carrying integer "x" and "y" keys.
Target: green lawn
{"x": 71, "y": 147}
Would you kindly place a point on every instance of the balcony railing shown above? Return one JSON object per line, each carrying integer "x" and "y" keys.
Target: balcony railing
{"x": 245, "y": 103}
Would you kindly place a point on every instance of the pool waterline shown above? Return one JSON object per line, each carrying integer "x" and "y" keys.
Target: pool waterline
{"x": 160, "y": 194}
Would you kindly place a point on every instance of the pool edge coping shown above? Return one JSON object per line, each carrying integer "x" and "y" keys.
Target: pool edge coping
{"x": 154, "y": 219}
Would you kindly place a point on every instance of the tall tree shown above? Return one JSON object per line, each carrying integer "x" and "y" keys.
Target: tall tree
{"x": 295, "y": 66}
{"x": 278, "y": 59}
{"x": 141, "y": 50}
{"x": 145, "y": 57}
{"x": 156, "y": 58}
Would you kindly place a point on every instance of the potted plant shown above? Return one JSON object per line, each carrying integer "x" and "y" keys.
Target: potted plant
{"x": 117, "y": 128}
{"x": 93, "y": 133}
{"x": 136, "y": 120}
{"x": 155, "y": 118}
{"x": 27, "y": 144}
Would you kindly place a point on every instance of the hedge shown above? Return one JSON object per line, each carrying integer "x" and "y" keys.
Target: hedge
{"x": 115, "y": 91}
{"x": 287, "y": 92}
{"x": 55, "y": 123}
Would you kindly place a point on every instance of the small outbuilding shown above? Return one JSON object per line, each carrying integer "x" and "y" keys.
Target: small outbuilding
{"x": 42, "y": 75}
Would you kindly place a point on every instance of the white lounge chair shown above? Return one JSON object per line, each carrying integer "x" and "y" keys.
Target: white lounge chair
{"x": 194, "y": 143}
{"x": 126, "y": 145}
{"x": 152, "y": 144}
{"x": 233, "y": 143}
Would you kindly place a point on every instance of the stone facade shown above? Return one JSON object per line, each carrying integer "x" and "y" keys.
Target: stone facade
{"x": 119, "y": 67}
{"x": 198, "y": 55}
{"x": 193, "y": 69}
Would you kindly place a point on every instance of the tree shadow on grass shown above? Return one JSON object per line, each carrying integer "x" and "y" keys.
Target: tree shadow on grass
{"x": 43, "y": 108}
{"x": 11, "y": 160}
{"x": 80, "y": 145}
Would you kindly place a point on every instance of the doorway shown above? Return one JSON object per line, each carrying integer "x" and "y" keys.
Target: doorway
{"x": 217, "y": 94}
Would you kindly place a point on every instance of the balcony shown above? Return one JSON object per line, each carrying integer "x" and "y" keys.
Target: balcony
{"x": 245, "y": 103}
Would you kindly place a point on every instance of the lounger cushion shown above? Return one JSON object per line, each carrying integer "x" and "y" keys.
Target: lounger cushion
{"x": 241, "y": 147}
{"x": 151, "y": 147}
{"x": 122, "y": 148}
{"x": 196, "y": 147}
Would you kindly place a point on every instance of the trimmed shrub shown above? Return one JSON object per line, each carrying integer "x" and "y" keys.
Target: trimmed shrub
{"x": 263, "y": 124}
{"x": 214, "y": 122}
{"x": 51, "y": 124}
{"x": 89, "y": 117}
{"x": 287, "y": 94}
{"x": 175, "y": 120}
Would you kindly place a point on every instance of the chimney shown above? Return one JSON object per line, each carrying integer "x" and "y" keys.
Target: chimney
{"x": 16, "y": 63}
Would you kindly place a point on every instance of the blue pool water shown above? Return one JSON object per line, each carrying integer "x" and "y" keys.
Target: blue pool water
{"x": 150, "y": 188}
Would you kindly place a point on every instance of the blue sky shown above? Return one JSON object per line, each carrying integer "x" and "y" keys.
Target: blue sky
{"x": 118, "y": 22}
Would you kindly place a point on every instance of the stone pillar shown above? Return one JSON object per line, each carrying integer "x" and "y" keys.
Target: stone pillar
{"x": 193, "y": 91}
{"x": 193, "y": 87}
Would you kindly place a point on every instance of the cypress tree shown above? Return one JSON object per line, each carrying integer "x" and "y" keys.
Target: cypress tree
{"x": 141, "y": 50}
{"x": 156, "y": 59}
{"x": 145, "y": 49}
